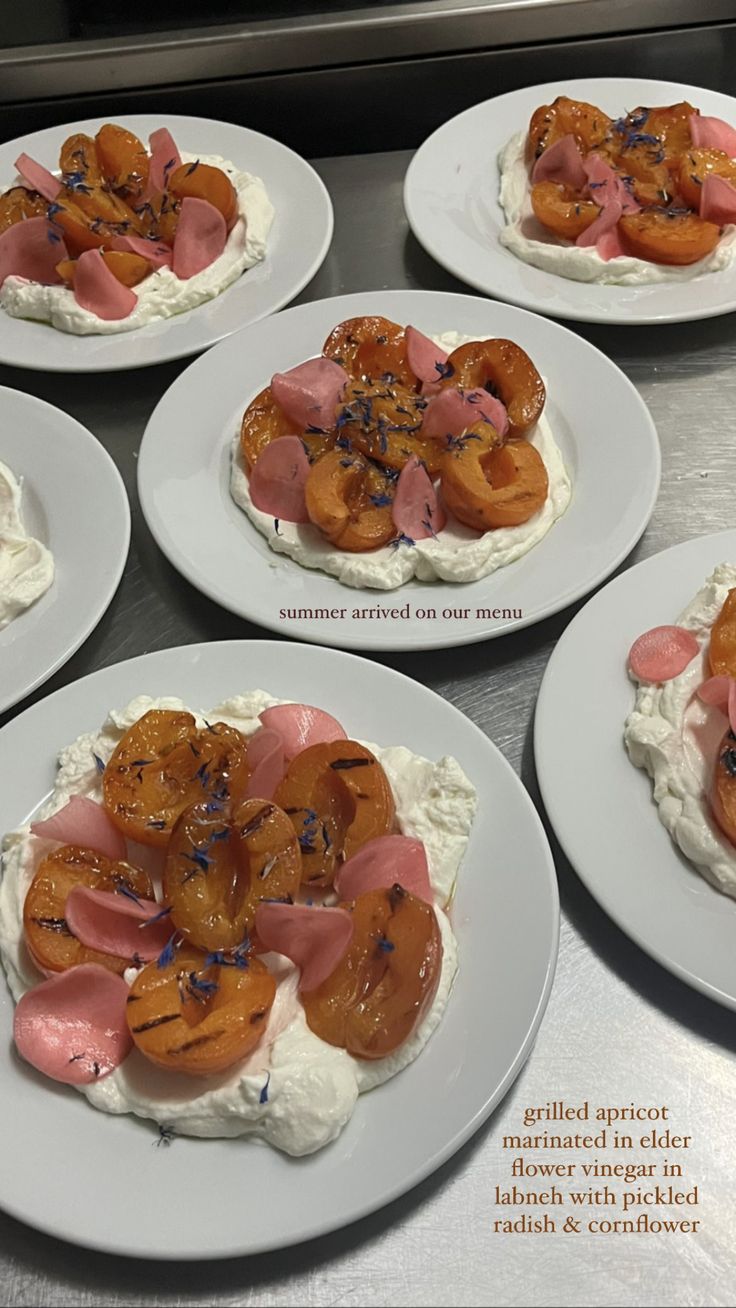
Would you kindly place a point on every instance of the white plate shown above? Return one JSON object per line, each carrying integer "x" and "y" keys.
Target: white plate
{"x": 184, "y": 471}
{"x": 96, "y": 1180}
{"x": 74, "y": 501}
{"x": 451, "y": 200}
{"x": 599, "y": 804}
{"x": 299, "y": 240}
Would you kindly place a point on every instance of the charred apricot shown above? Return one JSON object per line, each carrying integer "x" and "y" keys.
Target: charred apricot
{"x": 264, "y": 421}
{"x": 123, "y": 159}
{"x": 668, "y": 236}
{"x": 722, "y": 650}
{"x": 198, "y": 1015}
{"x": 204, "y": 182}
{"x": 565, "y": 117}
{"x": 504, "y": 369}
{"x": 696, "y": 165}
{"x": 371, "y": 349}
{"x": 49, "y": 939}
{"x": 384, "y": 984}
{"x": 723, "y": 788}
{"x": 220, "y": 864}
{"x": 350, "y": 501}
{"x": 561, "y": 211}
{"x": 383, "y": 420}
{"x": 17, "y": 204}
{"x": 165, "y": 763}
{"x": 338, "y": 797}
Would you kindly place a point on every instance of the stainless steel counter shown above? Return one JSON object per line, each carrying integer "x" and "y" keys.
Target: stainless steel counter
{"x": 618, "y": 1028}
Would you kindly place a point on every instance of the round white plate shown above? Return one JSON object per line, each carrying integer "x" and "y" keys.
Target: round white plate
{"x": 451, "y": 201}
{"x": 184, "y": 476}
{"x": 299, "y": 240}
{"x": 599, "y": 804}
{"x": 243, "y": 1197}
{"x": 74, "y": 502}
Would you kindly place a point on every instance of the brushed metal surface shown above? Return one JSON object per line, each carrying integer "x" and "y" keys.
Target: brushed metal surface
{"x": 319, "y": 39}
{"x": 618, "y": 1028}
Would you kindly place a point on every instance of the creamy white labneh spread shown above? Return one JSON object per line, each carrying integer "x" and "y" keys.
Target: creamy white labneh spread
{"x": 525, "y": 237}
{"x": 162, "y": 294}
{"x": 457, "y": 553}
{"x": 26, "y": 566}
{"x": 675, "y": 737}
{"x": 312, "y": 1087}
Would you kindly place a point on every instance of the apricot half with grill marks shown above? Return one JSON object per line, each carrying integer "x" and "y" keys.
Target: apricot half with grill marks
{"x": 165, "y": 763}
{"x": 338, "y": 797}
{"x": 221, "y": 864}
{"x": 50, "y": 941}
{"x": 387, "y": 979}
{"x": 198, "y": 1015}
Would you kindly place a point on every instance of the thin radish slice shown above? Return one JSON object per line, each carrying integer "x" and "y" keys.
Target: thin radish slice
{"x": 267, "y": 763}
{"x": 85, "y": 823}
{"x": 278, "y": 479}
{"x": 662, "y": 653}
{"x": 384, "y": 862}
{"x": 416, "y": 510}
{"x": 301, "y": 725}
{"x": 114, "y": 924}
{"x": 313, "y": 938}
{"x": 73, "y": 1026}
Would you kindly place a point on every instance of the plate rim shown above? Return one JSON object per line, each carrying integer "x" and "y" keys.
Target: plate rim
{"x": 108, "y": 592}
{"x": 532, "y": 303}
{"x": 548, "y": 880}
{"x": 382, "y": 644}
{"x": 606, "y": 902}
{"x": 177, "y": 352}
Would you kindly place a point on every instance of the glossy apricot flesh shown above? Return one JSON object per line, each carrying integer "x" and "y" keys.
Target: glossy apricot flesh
{"x": 670, "y": 124}
{"x": 18, "y": 204}
{"x": 723, "y": 787}
{"x": 198, "y": 1016}
{"x": 371, "y": 349}
{"x": 383, "y": 421}
{"x": 696, "y": 165}
{"x": 350, "y": 501}
{"x": 129, "y": 269}
{"x": 669, "y": 237}
{"x": 123, "y": 159}
{"x": 78, "y": 160}
{"x": 51, "y": 943}
{"x": 338, "y": 797}
{"x": 264, "y": 421}
{"x": 165, "y": 763}
{"x": 205, "y": 182}
{"x": 220, "y": 864}
{"x": 498, "y": 487}
{"x": 385, "y": 983}
{"x": 561, "y": 211}
{"x": 504, "y": 369}
{"x": 722, "y": 649}
{"x": 550, "y": 122}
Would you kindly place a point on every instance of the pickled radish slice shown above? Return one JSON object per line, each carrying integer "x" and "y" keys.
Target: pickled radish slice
{"x": 384, "y": 862}
{"x": 662, "y": 653}
{"x": 73, "y": 1027}
{"x": 314, "y": 938}
{"x": 417, "y": 512}
{"x": 83, "y": 822}
{"x": 116, "y": 924}
{"x": 301, "y": 725}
